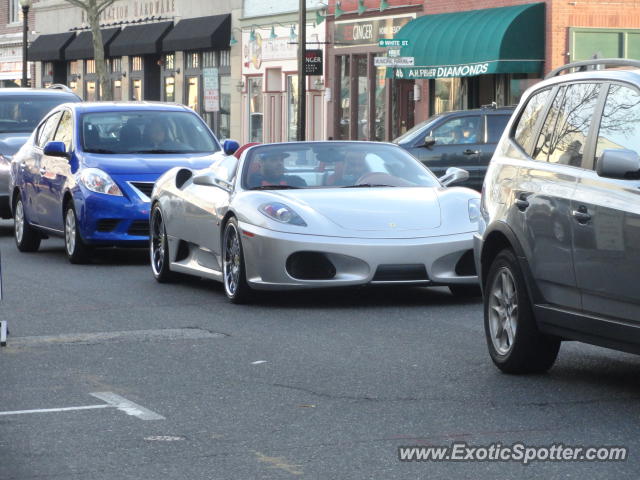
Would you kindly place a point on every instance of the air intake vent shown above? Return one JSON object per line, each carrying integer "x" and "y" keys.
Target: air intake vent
{"x": 310, "y": 266}
{"x": 466, "y": 266}
{"x": 401, "y": 273}
{"x": 139, "y": 228}
{"x": 144, "y": 187}
{"x": 107, "y": 224}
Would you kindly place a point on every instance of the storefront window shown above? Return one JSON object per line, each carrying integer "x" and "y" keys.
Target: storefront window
{"x": 90, "y": 66}
{"x": 136, "y": 89}
{"x": 448, "y": 95}
{"x": 136, "y": 64}
{"x": 292, "y": 107}
{"x": 117, "y": 90}
{"x": 116, "y": 65}
{"x": 169, "y": 89}
{"x": 169, "y": 61}
{"x": 518, "y": 83}
{"x": 209, "y": 59}
{"x": 193, "y": 60}
{"x": 343, "y": 112}
{"x": 193, "y": 93}
{"x": 224, "y": 129}
{"x": 255, "y": 109}
{"x": 91, "y": 92}
{"x": 363, "y": 97}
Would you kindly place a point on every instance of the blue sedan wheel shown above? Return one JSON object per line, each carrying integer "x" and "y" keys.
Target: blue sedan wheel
{"x": 27, "y": 238}
{"x": 77, "y": 251}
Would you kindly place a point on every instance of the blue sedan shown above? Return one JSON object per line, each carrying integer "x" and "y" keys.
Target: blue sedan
{"x": 87, "y": 172}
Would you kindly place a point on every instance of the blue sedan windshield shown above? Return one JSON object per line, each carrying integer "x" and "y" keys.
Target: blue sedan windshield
{"x": 150, "y": 131}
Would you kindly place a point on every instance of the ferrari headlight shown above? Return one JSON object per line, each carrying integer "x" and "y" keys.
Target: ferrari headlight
{"x": 100, "y": 182}
{"x": 474, "y": 210}
{"x": 281, "y": 213}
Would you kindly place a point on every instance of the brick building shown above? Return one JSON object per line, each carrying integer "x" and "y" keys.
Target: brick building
{"x": 11, "y": 42}
{"x": 468, "y": 53}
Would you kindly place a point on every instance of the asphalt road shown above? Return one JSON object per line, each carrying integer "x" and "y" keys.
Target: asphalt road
{"x": 322, "y": 385}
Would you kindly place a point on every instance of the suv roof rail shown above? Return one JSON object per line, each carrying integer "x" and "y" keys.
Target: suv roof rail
{"x": 614, "y": 62}
{"x": 60, "y": 86}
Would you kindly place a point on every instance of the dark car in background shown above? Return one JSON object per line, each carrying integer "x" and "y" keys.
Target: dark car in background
{"x": 21, "y": 110}
{"x": 464, "y": 139}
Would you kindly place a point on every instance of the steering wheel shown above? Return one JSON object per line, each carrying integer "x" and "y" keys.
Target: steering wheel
{"x": 381, "y": 178}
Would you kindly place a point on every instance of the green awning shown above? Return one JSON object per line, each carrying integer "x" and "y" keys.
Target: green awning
{"x": 475, "y": 42}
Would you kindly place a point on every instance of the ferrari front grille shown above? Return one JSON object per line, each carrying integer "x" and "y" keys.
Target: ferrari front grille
{"x": 144, "y": 187}
{"x": 401, "y": 273}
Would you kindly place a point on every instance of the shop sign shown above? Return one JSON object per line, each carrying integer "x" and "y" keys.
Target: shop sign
{"x": 370, "y": 31}
{"x": 211, "y": 89}
{"x": 135, "y": 10}
{"x": 444, "y": 71}
{"x": 393, "y": 61}
{"x": 313, "y": 62}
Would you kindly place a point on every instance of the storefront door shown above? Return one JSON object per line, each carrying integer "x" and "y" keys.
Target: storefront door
{"x": 404, "y": 105}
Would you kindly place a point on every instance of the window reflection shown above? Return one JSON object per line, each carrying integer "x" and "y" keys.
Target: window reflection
{"x": 620, "y": 125}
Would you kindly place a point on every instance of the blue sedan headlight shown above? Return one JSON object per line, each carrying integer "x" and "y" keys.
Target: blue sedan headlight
{"x": 99, "y": 181}
{"x": 281, "y": 213}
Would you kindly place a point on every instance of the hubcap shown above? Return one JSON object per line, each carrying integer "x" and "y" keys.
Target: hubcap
{"x": 70, "y": 231}
{"x": 503, "y": 311}
{"x": 231, "y": 261}
{"x": 19, "y": 221}
{"x": 158, "y": 241}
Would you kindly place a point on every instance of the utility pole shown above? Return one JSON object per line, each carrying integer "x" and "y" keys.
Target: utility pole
{"x": 302, "y": 93}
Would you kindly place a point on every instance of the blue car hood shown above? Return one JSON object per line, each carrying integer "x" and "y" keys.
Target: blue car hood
{"x": 146, "y": 164}
{"x": 10, "y": 143}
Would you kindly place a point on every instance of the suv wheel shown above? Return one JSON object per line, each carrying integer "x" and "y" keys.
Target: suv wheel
{"x": 27, "y": 237}
{"x": 515, "y": 344}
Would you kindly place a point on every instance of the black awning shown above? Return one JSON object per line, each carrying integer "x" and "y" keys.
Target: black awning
{"x": 82, "y": 45}
{"x": 140, "y": 39}
{"x": 50, "y": 47}
{"x": 199, "y": 33}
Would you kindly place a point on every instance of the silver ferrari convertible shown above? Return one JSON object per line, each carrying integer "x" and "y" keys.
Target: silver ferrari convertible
{"x": 315, "y": 214}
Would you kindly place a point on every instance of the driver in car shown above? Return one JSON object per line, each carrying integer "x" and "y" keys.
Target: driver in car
{"x": 273, "y": 172}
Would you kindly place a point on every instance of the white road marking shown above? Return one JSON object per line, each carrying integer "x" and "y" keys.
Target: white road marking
{"x": 127, "y": 406}
{"x": 48, "y": 410}
{"x": 258, "y": 362}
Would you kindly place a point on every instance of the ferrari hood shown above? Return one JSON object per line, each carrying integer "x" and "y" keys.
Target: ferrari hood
{"x": 382, "y": 209}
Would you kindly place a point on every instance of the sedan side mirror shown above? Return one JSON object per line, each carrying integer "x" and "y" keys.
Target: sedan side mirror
{"x": 453, "y": 175}
{"x": 56, "y": 149}
{"x": 230, "y": 147}
{"x": 618, "y": 163}
{"x": 429, "y": 141}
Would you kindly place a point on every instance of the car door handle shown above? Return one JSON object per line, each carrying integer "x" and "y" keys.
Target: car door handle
{"x": 468, "y": 151}
{"x": 581, "y": 215}
{"x": 522, "y": 203}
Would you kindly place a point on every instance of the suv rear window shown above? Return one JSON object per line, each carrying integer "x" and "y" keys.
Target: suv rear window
{"x": 22, "y": 113}
{"x": 524, "y": 132}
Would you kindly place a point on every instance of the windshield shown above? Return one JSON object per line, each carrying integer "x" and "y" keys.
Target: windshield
{"x": 22, "y": 113}
{"x": 149, "y": 131}
{"x": 331, "y": 165}
{"x": 414, "y": 133}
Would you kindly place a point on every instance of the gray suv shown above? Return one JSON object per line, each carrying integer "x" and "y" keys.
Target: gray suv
{"x": 559, "y": 244}
{"x": 21, "y": 109}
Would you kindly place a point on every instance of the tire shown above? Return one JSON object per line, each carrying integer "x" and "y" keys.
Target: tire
{"x": 515, "y": 343}
{"x": 233, "y": 268}
{"x": 27, "y": 238}
{"x": 465, "y": 291}
{"x": 78, "y": 252}
{"x": 159, "y": 247}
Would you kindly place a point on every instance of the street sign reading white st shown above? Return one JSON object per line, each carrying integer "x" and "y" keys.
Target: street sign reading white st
{"x": 394, "y": 61}
{"x": 393, "y": 43}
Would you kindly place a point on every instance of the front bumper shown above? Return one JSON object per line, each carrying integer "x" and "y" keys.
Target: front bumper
{"x": 113, "y": 220}
{"x": 356, "y": 260}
